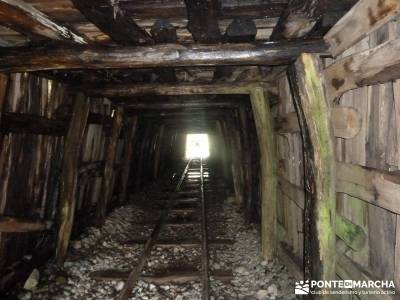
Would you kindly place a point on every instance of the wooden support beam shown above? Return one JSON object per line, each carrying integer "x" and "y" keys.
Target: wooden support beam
{"x": 109, "y": 172}
{"x": 34, "y": 124}
{"x": 376, "y": 187}
{"x": 69, "y": 175}
{"x": 346, "y": 122}
{"x": 377, "y": 65}
{"x": 133, "y": 106}
{"x": 203, "y": 20}
{"x": 113, "y": 21}
{"x": 166, "y": 55}
{"x": 266, "y": 141}
{"x": 173, "y": 89}
{"x": 176, "y": 9}
{"x": 13, "y": 225}
{"x": 92, "y": 166}
{"x": 26, "y": 19}
{"x": 297, "y": 20}
{"x": 129, "y": 135}
{"x": 319, "y": 164}
{"x": 365, "y": 17}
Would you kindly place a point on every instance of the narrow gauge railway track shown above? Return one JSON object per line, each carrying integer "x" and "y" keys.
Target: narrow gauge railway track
{"x": 193, "y": 177}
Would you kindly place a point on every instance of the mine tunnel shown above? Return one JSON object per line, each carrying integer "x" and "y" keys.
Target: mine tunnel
{"x": 194, "y": 149}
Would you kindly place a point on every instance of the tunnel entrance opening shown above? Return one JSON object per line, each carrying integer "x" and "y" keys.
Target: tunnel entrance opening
{"x": 197, "y": 146}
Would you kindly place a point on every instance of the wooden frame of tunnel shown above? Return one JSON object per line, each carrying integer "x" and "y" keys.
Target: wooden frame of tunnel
{"x": 314, "y": 115}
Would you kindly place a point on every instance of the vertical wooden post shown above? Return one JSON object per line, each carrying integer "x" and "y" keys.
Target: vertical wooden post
{"x": 69, "y": 175}
{"x": 127, "y": 156}
{"x": 109, "y": 166}
{"x": 266, "y": 140}
{"x": 314, "y": 115}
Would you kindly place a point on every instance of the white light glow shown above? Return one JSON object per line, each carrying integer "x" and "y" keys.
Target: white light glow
{"x": 197, "y": 146}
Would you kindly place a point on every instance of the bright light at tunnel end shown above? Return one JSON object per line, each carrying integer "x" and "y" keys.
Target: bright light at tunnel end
{"x": 197, "y": 146}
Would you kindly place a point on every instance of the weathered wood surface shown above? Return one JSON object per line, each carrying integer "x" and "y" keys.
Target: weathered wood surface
{"x": 203, "y": 20}
{"x": 167, "y": 55}
{"x": 69, "y": 176}
{"x": 241, "y": 31}
{"x": 93, "y": 166}
{"x": 297, "y": 20}
{"x": 346, "y": 122}
{"x": 169, "y": 277}
{"x": 352, "y": 234}
{"x": 365, "y": 17}
{"x": 314, "y": 110}
{"x": 11, "y": 225}
{"x": 171, "y": 89}
{"x": 129, "y": 135}
{"x": 376, "y": 187}
{"x": 266, "y": 140}
{"x": 109, "y": 170}
{"x": 113, "y": 21}
{"x": 377, "y": 65}
{"x": 26, "y": 19}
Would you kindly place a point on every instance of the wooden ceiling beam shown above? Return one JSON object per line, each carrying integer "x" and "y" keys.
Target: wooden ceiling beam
{"x": 113, "y": 21}
{"x": 172, "y": 106}
{"x": 36, "y": 59}
{"x": 177, "y": 9}
{"x": 26, "y": 19}
{"x": 310, "y": 18}
{"x": 297, "y": 20}
{"x": 130, "y": 90}
{"x": 203, "y": 20}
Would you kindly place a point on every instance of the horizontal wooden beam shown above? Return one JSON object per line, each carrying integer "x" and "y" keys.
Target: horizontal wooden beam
{"x": 346, "y": 122}
{"x": 175, "y": 277}
{"x": 166, "y": 55}
{"x": 173, "y": 89}
{"x": 173, "y": 9}
{"x": 168, "y": 106}
{"x": 12, "y": 122}
{"x": 376, "y": 187}
{"x": 14, "y": 224}
{"x": 365, "y": 17}
{"x": 377, "y": 65}
{"x": 26, "y": 19}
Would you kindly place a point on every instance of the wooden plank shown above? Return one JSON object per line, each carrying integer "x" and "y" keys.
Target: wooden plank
{"x": 171, "y": 55}
{"x": 26, "y": 19}
{"x": 397, "y": 253}
{"x": 396, "y": 97}
{"x": 376, "y": 187}
{"x": 294, "y": 192}
{"x": 129, "y": 136}
{"x": 171, "y": 89}
{"x": 346, "y": 122}
{"x": 12, "y": 225}
{"x": 266, "y": 140}
{"x": 169, "y": 277}
{"x": 297, "y": 20}
{"x": 203, "y": 20}
{"x": 113, "y": 21}
{"x": 314, "y": 111}
{"x": 365, "y": 17}
{"x": 109, "y": 172}
{"x": 376, "y": 65}
{"x": 72, "y": 147}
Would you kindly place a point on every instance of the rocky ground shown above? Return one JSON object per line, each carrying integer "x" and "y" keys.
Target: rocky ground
{"x": 100, "y": 249}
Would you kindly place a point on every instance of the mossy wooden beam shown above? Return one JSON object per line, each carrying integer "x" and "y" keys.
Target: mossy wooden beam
{"x": 69, "y": 176}
{"x": 352, "y": 234}
{"x": 109, "y": 170}
{"x": 266, "y": 140}
{"x": 314, "y": 112}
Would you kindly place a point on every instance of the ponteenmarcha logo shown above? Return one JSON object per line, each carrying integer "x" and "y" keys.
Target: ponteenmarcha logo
{"x": 302, "y": 287}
